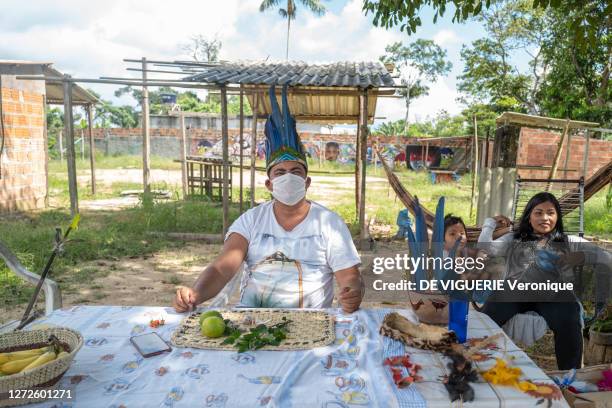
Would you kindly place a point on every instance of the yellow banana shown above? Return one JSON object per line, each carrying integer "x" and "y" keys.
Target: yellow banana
{"x": 62, "y": 354}
{"x": 20, "y": 355}
{"x": 42, "y": 359}
{"x": 16, "y": 366}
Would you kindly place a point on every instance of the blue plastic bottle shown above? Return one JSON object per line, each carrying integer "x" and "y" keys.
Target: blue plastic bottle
{"x": 458, "y": 318}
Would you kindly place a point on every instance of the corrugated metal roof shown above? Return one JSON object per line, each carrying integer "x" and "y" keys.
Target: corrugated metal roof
{"x": 338, "y": 74}
{"x": 54, "y": 90}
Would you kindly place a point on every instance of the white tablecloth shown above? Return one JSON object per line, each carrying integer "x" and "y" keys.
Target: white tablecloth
{"x": 109, "y": 372}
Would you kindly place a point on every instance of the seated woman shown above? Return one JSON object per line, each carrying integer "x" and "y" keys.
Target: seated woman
{"x": 541, "y": 229}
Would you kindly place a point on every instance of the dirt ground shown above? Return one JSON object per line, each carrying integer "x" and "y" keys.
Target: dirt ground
{"x": 328, "y": 188}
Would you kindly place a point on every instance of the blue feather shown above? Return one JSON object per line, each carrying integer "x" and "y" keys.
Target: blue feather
{"x": 282, "y": 140}
{"x": 437, "y": 238}
{"x": 420, "y": 229}
{"x": 419, "y": 273}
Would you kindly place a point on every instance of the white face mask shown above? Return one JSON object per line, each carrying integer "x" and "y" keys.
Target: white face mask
{"x": 289, "y": 189}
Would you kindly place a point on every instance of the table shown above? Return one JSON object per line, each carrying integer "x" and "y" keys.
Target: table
{"x": 108, "y": 372}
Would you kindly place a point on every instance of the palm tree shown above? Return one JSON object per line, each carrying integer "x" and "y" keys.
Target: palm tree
{"x": 289, "y": 12}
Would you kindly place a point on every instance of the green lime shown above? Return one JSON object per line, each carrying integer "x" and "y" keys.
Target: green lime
{"x": 212, "y": 327}
{"x": 209, "y": 313}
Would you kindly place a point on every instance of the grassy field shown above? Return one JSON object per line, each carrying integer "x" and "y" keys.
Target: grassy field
{"x": 125, "y": 232}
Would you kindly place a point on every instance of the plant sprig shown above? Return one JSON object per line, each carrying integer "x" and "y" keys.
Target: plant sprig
{"x": 257, "y": 337}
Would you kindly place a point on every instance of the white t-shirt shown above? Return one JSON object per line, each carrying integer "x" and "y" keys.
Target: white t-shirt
{"x": 293, "y": 269}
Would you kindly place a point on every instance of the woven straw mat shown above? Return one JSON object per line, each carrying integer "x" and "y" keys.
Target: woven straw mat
{"x": 44, "y": 377}
{"x": 308, "y": 328}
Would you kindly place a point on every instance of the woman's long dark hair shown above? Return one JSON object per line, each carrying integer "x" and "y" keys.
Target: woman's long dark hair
{"x": 525, "y": 230}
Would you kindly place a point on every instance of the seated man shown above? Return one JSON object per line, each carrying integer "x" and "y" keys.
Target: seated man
{"x": 292, "y": 247}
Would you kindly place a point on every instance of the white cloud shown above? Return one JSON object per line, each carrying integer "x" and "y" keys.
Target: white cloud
{"x": 91, "y": 39}
{"x": 446, "y": 37}
{"x": 441, "y": 96}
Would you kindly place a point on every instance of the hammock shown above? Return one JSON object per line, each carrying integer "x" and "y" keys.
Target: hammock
{"x": 591, "y": 186}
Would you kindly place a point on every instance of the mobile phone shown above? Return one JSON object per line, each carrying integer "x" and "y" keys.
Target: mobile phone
{"x": 150, "y": 344}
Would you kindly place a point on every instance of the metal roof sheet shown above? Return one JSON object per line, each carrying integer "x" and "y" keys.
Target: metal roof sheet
{"x": 297, "y": 73}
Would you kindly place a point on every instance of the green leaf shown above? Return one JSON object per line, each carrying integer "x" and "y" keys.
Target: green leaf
{"x": 75, "y": 222}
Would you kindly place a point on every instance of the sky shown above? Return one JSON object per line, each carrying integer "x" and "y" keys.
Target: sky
{"x": 91, "y": 39}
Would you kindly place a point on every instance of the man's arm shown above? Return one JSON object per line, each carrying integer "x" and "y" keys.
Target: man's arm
{"x": 351, "y": 288}
{"x": 214, "y": 278}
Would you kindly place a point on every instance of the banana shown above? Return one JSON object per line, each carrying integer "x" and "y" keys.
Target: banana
{"x": 20, "y": 355}
{"x": 62, "y": 354}
{"x": 13, "y": 367}
{"x": 42, "y": 359}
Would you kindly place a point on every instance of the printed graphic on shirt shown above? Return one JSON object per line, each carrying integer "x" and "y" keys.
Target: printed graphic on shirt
{"x": 277, "y": 281}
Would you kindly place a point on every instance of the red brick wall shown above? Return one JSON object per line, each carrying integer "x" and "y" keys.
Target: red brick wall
{"x": 537, "y": 147}
{"x": 23, "y": 184}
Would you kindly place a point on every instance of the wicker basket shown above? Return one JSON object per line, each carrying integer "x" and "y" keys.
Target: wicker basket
{"x": 43, "y": 377}
{"x": 308, "y": 328}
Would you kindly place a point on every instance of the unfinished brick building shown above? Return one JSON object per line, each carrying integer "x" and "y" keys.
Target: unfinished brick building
{"x": 23, "y": 133}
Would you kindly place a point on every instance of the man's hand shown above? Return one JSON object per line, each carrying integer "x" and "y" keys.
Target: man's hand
{"x": 351, "y": 288}
{"x": 185, "y": 299}
{"x": 214, "y": 278}
{"x": 350, "y": 299}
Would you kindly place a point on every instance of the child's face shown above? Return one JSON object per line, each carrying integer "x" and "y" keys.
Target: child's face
{"x": 452, "y": 234}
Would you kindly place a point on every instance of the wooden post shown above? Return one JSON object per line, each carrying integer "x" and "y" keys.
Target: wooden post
{"x": 46, "y": 135}
{"x": 82, "y": 144}
{"x": 363, "y": 113}
{"x": 321, "y": 153}
{"x": 241, "y": 143}
{"x": 374, "y": 155}
{"x": 474, "y": 166}
{"x": 585, "y": 160}
{"x": 183, "y": 155}
{"x": 61, "y": 145}
{"x": 254, "y": 108}
{"x": 358, "y": 166}
{"x": 555, "y": 165}
{"x": 423, "y": 155}
{"x": 92, "y": 148}
{"x": 486, "y": 152}
{"x": 146, "y": 140}
{"x": 70, "y": 154}
{"x": 224, "y": 144}
{"x": 426, "y": 155}
{"x": 567, "y": 154}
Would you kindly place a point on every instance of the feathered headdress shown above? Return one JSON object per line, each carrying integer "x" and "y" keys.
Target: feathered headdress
{"x": 282, "y": 140}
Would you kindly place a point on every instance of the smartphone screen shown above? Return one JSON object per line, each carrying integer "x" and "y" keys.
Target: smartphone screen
{"x": 150, "y": 344}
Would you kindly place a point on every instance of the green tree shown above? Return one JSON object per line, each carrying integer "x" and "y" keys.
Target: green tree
{"x": 560, "y": 79}
{"x": 489, "y": 75}
{"x": 55, "y": 123}
{"x": 417, "y": 62}
{"x": 289, "y": 12}
{"x": 586, "y": 15}
{"x": 578, "y": 82}
{"x": 391, "y": 128}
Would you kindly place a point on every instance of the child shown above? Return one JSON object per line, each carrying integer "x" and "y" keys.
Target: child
{"x": 454, "y": 230}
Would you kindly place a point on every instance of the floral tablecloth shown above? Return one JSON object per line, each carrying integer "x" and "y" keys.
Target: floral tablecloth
{"x": 109, "y": 372}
